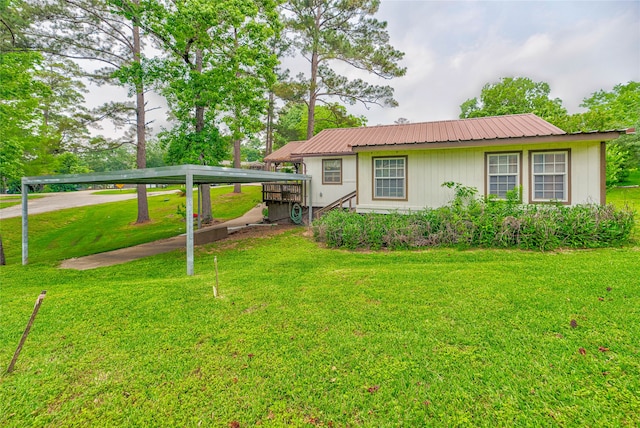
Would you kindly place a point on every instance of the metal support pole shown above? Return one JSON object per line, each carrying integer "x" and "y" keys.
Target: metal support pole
{"x": 189, "y": 221}
{"x": 25, "y": 223}
{"x": 310, "y": 202}
{"x": 199, "y": 207}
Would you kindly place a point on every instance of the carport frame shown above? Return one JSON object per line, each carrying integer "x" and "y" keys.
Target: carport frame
{"x": 189, "y": 175}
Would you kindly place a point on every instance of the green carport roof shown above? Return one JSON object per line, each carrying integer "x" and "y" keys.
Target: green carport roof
{"x": 169, "y": 175}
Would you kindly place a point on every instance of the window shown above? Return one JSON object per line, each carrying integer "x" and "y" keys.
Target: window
{"x": 550, "y": 176}
{"x": 503, "y": 173}
{"x": 332, "y": 171}
{"x": 389, "y": 178}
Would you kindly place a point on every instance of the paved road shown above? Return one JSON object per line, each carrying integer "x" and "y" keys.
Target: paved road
{"x": 59, "y": 201}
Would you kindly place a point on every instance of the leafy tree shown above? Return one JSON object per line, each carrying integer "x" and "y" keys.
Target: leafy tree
{"x": 218, "y": 70}
{"x": 61, "y": 117}
{"x": 293, "y": 119}
{"x": 514, "y": 96}
{"x": 20, "y": 95}
{"x": 115, "y": 159}
{"x": 94, "y": 30}
{"x": 252, "y": 150}
{"x": 14, "y": 18}
{"x": 615, "y": 109}
{"x": 325, "y": 31}
{"x": 68, "y": 163}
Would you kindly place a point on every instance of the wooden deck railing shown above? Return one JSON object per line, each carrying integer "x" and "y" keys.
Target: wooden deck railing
{"x": 282, "y": 192}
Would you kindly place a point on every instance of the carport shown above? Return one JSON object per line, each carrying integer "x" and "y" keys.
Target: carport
{"x": 189, "y": 175}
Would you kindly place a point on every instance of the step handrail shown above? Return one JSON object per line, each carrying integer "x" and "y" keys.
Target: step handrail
{"x": 335, "y": 204}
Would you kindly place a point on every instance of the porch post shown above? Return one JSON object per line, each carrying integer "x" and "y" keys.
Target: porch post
{"x": 25, "y": 223}
{"x": 310, "y": 202}
{"x": 189, "y": 221}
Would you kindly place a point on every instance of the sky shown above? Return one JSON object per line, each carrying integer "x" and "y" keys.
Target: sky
{"x": 453, "y": 48}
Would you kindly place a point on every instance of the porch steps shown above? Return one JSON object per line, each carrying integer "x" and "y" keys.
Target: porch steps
{"x": 336, "y": 204}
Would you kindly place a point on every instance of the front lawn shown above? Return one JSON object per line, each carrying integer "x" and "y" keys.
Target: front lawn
{"x": 307, "y": 336}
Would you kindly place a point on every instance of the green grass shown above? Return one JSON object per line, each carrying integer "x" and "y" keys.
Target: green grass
{"x": 87, "y": 230}
{"x": 133, "y": 190}
{"x": 305, "y": 336}
{"x": 632, "y": 179}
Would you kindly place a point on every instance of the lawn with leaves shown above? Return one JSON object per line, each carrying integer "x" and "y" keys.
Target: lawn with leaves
{"x": 307, "y": 336}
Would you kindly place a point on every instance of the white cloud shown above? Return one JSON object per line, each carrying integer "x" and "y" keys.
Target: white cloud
{"x": 453, "y": 48}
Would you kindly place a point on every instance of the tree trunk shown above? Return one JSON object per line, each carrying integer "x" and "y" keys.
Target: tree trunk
{"x": 313, "y": 83}
{"x": 269, "y": 143}
{"x": 141, "y": 147}
{"x": 3, "y": 261}
{"x": 237, "y": 188}
{"x": 311, "y": 105}
{"x": 206, "y": 216}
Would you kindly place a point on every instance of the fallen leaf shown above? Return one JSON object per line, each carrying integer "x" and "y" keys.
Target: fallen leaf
{"x": 234, "y": 424}
{"x": 373, "y": 388}
{"x": 602, "y": 349}
{"x": 582, "y": 351}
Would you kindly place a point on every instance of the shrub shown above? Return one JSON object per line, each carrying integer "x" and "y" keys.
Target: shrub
{"x": 469, "y": 221}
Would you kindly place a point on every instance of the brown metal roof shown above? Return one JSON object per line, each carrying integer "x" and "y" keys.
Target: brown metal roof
{"x": 341, "y": 141}
{"x": 283, "y": 154}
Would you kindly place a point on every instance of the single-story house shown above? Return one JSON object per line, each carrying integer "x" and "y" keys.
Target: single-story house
{"x": 402, "y": 167}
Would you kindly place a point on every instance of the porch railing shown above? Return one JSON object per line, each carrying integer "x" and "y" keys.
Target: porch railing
{"x": 282, "y": 192}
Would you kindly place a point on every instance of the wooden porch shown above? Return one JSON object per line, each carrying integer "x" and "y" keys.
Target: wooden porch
{"x": 283, "y": 192}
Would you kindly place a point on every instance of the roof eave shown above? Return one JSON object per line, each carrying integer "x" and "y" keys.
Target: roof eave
{"x": 577, "y": 137}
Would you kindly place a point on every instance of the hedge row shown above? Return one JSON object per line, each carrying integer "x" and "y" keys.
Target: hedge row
{"x": 480, "y": 223}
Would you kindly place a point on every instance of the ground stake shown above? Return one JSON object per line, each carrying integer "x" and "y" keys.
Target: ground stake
{"x": 26, "y": 330}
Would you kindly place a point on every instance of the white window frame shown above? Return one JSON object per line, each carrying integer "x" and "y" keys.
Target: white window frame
{"x": 380, "y": 177}
{"x": 502, "y": 170}
{"x": 331, "y": 172}
{"x": 555, "y": 173}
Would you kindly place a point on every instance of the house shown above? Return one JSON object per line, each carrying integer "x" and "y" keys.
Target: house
{"x": 402, "y": 167}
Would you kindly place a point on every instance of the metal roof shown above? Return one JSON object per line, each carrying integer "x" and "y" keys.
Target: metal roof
{"x": 342, "y": 140}
{"x": 284, "y": 153}
{"x": 169, "y": 175}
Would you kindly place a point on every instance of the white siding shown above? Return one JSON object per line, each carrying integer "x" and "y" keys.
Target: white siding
{"x": 428, "y": 169}
{"x": 324, "y": 194}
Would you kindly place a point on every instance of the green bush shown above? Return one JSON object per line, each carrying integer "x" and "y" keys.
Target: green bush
{"x": 472, "y": 222}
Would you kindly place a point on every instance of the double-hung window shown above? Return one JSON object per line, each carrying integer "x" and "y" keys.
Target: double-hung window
{"x": 550, "y": 176}
{"x": 503, "y": 173}
{"x": 332, "y": 171}
{"x": 390, "y": 178}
